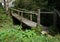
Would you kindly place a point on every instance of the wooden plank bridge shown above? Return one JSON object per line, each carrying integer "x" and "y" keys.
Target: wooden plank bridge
{"x": 29, "y": 22}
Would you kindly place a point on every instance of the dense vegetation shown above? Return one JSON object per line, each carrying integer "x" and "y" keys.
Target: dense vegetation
{"x": 31, "y": 4}
{"x": 11, "y": 34}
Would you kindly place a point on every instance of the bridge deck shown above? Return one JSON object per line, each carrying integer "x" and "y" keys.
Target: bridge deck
{"x": 24, "y": 20}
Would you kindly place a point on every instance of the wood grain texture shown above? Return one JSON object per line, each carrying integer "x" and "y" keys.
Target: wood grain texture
{"x": 25, "y": 21}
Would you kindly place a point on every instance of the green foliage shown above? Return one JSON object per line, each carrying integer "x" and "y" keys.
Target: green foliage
{"x": 53, "y": 30}
{"x": 1, "y": 10}
{"x": 5, "y": 20}
{"x": 31, "y": 4}
{"x": 37, "y": 29}
{"x": 15, "y": 35}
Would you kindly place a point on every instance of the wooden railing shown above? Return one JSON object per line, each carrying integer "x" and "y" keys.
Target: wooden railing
{"x": 37, "y": 13}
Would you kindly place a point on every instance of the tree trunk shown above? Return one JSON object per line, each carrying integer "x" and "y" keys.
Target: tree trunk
{"x": 6, "y": 3}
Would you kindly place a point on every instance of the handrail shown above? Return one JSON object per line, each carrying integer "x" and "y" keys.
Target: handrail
{"x": 16, "y": 10}
{"x": 47, "y": 12}
{"x": 37, "y": 13}
{"x": 57, "y": 12}
{"x": 31, "y": 12}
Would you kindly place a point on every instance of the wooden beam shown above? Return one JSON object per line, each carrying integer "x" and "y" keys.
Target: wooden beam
{"x": 21, "y": 17}
{"x": 47, "y": 12}
{"x": 18, "y": 13}
{"x": 24, "y": 20}
{"x": 38, "y": 17}
{"x": 31, "y": 17}
{"x": 16, "y": 10}
{"x": 30, "y": 12}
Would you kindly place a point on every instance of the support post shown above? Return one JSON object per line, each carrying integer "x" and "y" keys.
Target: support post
{"x": 38, "y": 17}
{"x": 21, "y": 14}
{"x": 21, "y": 17}
{"x": 31, "y": 17}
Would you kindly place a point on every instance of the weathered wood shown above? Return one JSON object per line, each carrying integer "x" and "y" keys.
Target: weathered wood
{"x": 38, "y": 17}
{"x": 6, "y": 6}
{"x": 47, "y": 12}
{"x": 28, "y": 12}
{"x": 25, "y": 21}
{"x": 21, "y": 14}
{"x": 31, "y": 17}
{"x": 21, "y": 17}
{"x": 16, "y": 10}
{"x": 22, "y": 9}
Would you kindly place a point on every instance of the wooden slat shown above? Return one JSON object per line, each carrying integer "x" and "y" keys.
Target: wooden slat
{"x": 47, "y": 12}
{"x": 24, "y": 20}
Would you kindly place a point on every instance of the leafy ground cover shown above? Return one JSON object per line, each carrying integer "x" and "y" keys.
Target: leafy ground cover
{"x": 15, "y": 34}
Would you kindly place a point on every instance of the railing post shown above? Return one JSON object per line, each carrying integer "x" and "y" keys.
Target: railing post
{"x": 38, "y": 17}
{"x": 21, "y": 14}
{"x": 21, "y": 17}
{"x": 31, "y": 17}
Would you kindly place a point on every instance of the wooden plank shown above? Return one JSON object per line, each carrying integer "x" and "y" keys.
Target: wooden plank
{"x": 47, "y": 12}
{"x": 16, "y": 10}
{"x": 38, "y": 17}
{"x": 22, "y": 9}
{"x": 24, "y": 20}
{"x": 30, "y": 12}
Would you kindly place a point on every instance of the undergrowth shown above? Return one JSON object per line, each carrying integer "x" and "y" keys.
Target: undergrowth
{"x": 16, "y": 34}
